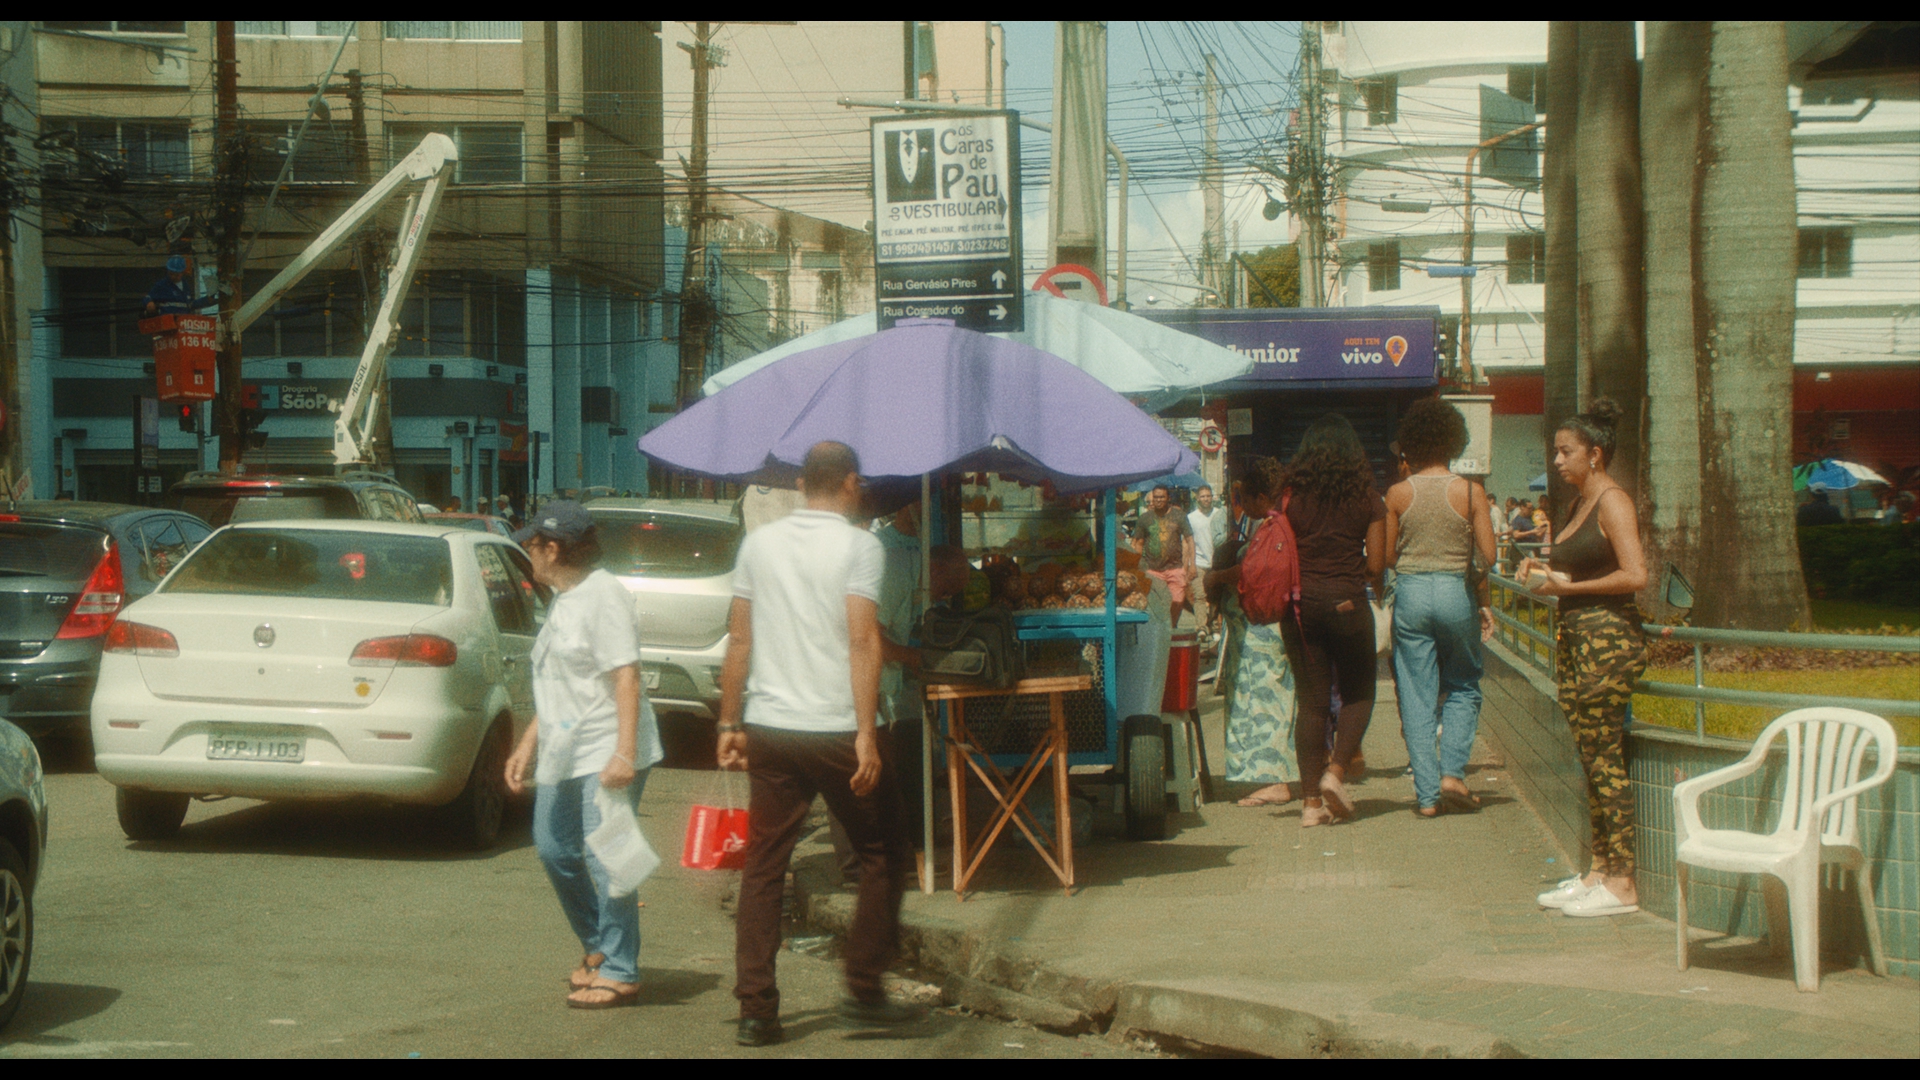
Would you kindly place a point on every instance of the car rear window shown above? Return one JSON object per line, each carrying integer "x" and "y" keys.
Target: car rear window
{"x": 320, "y": 564}
{"x": 224, "y": 506}
{"x": 55, "y": 551}
{"x": 638, "y": 543}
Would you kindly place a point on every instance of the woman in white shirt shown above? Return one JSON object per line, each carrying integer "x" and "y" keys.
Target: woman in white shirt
{"x": 593, "y": 729}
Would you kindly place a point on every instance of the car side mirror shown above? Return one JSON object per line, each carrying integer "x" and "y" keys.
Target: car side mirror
{"x": 1679, "y": 591}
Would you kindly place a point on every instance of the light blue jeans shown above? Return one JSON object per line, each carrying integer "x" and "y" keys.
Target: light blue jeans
{"x": 563, "y": 815}
{"x": 1436, "y": 652}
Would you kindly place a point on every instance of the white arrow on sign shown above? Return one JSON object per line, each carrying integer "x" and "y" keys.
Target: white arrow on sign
{"x": 999, "y": 279}
{"x": 998, "y": 311}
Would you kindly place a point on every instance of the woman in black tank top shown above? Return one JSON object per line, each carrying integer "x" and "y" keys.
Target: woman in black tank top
{"x": 1597, "y": 567}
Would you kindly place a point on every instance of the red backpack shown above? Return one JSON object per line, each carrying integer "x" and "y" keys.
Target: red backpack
{"x": 1270, "y": 570}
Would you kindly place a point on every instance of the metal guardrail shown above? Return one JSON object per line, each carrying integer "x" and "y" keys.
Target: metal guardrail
{"x": 1524, "y": 635}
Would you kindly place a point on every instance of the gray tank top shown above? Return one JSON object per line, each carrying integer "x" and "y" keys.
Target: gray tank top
{"x": 1434, "y": 537}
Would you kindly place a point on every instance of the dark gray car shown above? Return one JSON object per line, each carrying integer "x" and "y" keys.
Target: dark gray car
{"x": 23, "y": 843}
{"x": 66, "y": 569}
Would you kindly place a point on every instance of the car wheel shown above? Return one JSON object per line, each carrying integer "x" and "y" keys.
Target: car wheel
{"x": 16, "y": 931}
{"x": 150, "y": 815}
{"x": 473, "y": 817}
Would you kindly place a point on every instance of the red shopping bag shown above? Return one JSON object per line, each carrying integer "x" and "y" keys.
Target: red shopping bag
{"x": 716, "y": 835}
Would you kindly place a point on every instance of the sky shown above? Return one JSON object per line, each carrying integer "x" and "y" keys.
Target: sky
{"x": 1156, "y": 117}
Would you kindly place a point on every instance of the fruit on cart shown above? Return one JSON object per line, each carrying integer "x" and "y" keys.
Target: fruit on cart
{"x": 1053, "y": 602}
{"x": 1126, "y": 581}
{"x": 1092, "y": 584}
{"x": 1079, "y": 600}
{"x": 1136, "y": 601}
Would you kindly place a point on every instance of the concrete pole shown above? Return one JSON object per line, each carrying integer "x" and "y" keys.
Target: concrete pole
{"x": 1213, "y": 198}
{"x": 1077, "y": 197}
{"x": 1311, "y": 169}
{"x": 695, "y": 304}
{"x": 229, "y": 195}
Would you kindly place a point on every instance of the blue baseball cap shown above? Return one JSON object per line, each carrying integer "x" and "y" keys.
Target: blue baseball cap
{"x": 176, "y": 264}
{"x": 562, "y": 519}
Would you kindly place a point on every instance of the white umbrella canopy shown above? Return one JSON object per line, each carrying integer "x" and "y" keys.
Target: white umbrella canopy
{"x": 1131, "y": 355}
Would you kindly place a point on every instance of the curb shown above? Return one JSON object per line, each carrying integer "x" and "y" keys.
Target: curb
{"x": 1214, "y": 1017}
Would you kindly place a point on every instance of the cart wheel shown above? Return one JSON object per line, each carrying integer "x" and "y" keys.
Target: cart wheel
{"x": 1146, "y": 778}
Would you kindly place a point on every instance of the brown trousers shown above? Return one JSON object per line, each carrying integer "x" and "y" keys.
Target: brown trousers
{"x": 786, "y": 769}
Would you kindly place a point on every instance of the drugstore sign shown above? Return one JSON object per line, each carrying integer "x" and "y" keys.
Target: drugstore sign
{"x": 1317, "y": 345}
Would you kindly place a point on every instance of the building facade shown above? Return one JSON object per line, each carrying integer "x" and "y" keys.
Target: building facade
{"x": 1411, "y": 99}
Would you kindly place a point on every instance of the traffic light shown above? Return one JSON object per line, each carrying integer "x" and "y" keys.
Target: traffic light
{"x": 250, "y": 436}
{"x": 189, "y": 418}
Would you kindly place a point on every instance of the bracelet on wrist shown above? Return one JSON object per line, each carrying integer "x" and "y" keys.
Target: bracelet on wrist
{"x": 729, "y": 729}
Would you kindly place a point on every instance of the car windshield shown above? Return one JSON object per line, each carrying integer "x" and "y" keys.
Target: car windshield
{"x": 476, "y": 524}
{"x": 320, "y": 564}
{"x": 222, "y": 506}
{"x": 55, "y": 551}
{"x": 640, "y": 543}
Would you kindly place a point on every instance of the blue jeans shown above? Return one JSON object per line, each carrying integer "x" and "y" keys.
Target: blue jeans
{"x": 563, "y": 815}
{"x": 1436, "y": 651}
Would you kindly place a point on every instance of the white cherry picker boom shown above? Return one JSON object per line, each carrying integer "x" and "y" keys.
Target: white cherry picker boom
{"x": 358, "y": 412}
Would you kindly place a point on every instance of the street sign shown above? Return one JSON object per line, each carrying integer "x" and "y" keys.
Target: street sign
{"x": 946, "y": 219}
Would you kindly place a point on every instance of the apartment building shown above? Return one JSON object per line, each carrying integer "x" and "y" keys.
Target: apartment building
{"x": 537, "y": 340}
{"x": 1411, "y": 99}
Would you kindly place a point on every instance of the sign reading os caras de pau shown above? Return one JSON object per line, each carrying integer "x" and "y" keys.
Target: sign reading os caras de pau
{"x": 946, "y": 219}
{"x": 1317, "y": 345}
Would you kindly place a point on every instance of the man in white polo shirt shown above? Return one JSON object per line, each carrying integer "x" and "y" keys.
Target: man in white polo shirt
{"x": 798, "y": 692}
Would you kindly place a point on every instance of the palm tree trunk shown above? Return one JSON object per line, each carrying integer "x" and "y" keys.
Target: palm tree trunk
{"x": 1611, "y": 249}
{"x": 1672, "y": 107}
{"x": 1743, "y": 314}
{"x": 1565, "y": 388}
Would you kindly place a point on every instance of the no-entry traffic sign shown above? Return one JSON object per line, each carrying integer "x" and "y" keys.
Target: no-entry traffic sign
{"x": 946, "y": 219}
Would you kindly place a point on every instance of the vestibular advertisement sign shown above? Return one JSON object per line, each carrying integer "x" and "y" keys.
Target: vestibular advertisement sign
{"x": 1318, "y": 345}
{"x": 946, "y": 219}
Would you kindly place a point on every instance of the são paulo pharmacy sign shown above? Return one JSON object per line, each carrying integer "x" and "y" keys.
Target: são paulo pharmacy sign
{"x": 946, "y": 219}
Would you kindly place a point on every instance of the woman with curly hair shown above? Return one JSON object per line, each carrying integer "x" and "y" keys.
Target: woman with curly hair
{"x": 1435, "y": 523}
{"x": 1339, "y": 525}
{"x": 1260, "y": 697}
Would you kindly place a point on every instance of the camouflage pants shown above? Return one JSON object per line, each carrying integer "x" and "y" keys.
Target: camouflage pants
{"x": 1602, "y": 654}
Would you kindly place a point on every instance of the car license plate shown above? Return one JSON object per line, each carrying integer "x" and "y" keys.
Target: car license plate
{"x": 256, "y": 746}
{"x": 650, "y": 678}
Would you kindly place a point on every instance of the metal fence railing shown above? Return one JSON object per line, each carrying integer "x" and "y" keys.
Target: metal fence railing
{"x": 1527, "y": 625}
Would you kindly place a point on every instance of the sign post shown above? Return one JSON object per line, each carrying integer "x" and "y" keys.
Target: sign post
{"x": 946, "y": 219}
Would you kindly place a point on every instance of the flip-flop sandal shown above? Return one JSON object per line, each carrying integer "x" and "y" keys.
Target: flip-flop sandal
{"x": 1334, "y": 795}
{"x": 1428, "y": 812}
{"x": 1464, "y": 801}
{"x": 620, "y": 998}
{"x": 1254, "y": 800}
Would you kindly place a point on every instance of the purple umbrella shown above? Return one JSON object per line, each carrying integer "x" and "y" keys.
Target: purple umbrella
{"x": 924, "y": 398}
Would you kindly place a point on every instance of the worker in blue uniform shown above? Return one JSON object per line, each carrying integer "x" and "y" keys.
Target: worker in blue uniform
{"x": 171, "y": 295}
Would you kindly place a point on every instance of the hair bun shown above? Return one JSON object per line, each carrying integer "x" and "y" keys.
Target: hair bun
{"x": 1604, "y": 412}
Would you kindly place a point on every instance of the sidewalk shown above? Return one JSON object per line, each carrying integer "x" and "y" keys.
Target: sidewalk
{"x": 1391, "y": 935}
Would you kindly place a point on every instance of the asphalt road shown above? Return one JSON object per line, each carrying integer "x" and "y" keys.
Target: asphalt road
{"x": 324, "y": 930}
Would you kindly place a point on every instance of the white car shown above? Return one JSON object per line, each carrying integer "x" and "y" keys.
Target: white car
{"x": 322, "y": 659}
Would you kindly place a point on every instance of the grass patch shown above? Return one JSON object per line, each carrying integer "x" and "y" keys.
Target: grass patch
{"x": 1860, "y": 615}
{"x": 1745, "y": 721}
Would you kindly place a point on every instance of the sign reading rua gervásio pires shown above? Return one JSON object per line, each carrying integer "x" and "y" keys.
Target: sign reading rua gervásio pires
{"x": 946, "y": 219}
{"x": 1344, "y": 345}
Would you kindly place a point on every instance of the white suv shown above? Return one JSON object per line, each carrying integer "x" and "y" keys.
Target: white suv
{"x": 322, "y": 659}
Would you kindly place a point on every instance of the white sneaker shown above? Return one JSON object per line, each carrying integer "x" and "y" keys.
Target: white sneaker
{"x": 1564, "y": 893}
{"x": 1596, "y": 902}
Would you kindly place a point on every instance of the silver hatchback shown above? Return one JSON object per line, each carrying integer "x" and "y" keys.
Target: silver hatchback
{"x": 676, "y": 557}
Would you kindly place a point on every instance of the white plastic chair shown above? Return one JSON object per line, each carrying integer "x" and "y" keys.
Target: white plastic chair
{"x": 1819, "y": 824}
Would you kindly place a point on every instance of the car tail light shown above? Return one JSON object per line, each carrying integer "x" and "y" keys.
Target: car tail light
{"x": 408, "y": 650}
{"x": 133, "y": 637}
{"x": 99, "y": 601}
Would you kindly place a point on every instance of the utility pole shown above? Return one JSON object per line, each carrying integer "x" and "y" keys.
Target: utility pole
{"x": 1213, "y": 198}
{"x": 1077, "y": 197}
{"x": 1465, "y": 371}
{"x": 696, "y": 306}
{"x": 1310, "y": 172}
{"x": 229, "y": 194}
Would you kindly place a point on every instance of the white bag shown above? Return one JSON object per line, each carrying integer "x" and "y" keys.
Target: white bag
{"x": 619, "y": 845}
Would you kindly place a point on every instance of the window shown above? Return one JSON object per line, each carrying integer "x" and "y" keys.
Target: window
{"x": 1826, "y": 252}
{"x": 319, "y": 564}
{"x": 321, "y": 316}
{"x": 1528, "y": 82}
{"x": 327, "y": 154}
{"x": 1383, "y": 100}
{"x": 460, "y": 31}
{"x": 489, "y": 153}
{"x": 503, "y": 590}
{"x": 464, "y": 314}
{"x": 1527, "y": 259}
{"x": 1383, "y": 266}
{"x": 100, "y": 309}
{"x": 294, "y": 29}
{"x": 137, "y": 150}
{"x": 121, "y": 27}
